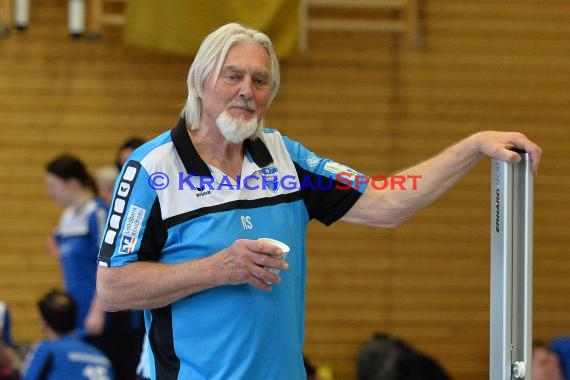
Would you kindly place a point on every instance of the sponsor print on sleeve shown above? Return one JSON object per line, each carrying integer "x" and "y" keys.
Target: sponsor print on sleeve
{"x": 133, "y": 224}
{"x": 336, "y": 169}
{"x": 120, "y": 213}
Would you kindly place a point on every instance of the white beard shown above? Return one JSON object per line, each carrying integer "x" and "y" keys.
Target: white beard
{"x": 234, "y": 129}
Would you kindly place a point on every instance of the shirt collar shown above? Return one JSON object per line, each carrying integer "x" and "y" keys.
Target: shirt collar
{"x": 194, "y": 164}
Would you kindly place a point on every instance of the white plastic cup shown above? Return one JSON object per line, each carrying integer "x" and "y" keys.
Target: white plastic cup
{"x": 284, "y": 248}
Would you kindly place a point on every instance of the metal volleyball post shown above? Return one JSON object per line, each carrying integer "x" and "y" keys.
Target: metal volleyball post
{"x": 511, "y": 270}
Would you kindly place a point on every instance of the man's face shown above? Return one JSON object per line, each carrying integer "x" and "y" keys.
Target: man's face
{"x": 242, "y": 90}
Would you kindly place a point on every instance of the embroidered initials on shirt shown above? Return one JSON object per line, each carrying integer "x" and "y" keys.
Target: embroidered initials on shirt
{"x": 246, "y": 222}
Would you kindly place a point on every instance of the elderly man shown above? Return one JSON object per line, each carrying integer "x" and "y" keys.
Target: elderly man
{"x": 182, "y": 237}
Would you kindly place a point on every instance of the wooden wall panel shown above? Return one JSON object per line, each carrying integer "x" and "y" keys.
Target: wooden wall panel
{"x": 63, "y": 95}
{"x": 363, "y": 99}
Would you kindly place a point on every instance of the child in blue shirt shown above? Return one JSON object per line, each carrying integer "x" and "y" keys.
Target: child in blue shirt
{"x": 63, "y": 354}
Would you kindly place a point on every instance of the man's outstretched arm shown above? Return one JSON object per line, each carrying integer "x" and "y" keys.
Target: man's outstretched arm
{"x": 391, "y": 207}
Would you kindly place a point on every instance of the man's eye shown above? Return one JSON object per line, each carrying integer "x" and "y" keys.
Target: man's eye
{"x": 232, "y": 77}
{"x": 260, "y": 82}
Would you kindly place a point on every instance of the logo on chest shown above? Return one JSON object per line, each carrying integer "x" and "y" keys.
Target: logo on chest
{"x": 202, "y": 191}
{"x": 270, "y": 178}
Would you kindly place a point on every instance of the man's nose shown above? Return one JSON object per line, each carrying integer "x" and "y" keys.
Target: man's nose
{"x": 246, "y": 89}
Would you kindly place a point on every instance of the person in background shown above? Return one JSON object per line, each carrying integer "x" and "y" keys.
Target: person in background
{"x": 385, "y": 357}
{"x": 63, "y": 355}
{"x": 119, "y": 335}
{"x": 143, "y": 367}
{"x": 545, "y": 363}
{"x": 125, "y": 150}
{"x": 104, "y": 182}
{"x": 310, "y": 369}
{"x": 8, "y": 355}
{"x": 190, "y": 256}
{"x": 77, "y": 238}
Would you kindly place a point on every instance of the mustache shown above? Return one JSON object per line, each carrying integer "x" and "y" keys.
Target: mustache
{"x": 249, "y": 105}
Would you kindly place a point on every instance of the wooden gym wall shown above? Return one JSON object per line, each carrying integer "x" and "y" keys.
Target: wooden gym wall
{"x": 366, "y": 100}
